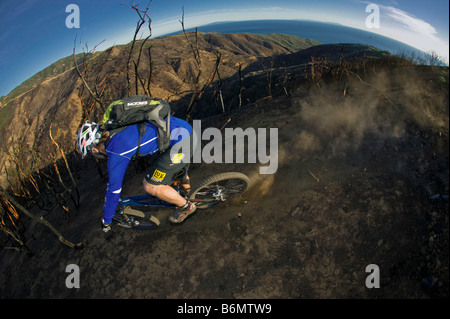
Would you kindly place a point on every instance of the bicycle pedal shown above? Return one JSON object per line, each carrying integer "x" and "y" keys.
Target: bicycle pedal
{"x": 154, "y": 220}
{"x": 134, "y": 212}
{"x": 133, "y": 222}
{"x": 123, "y": 221}
{"x": 130, "y": 211}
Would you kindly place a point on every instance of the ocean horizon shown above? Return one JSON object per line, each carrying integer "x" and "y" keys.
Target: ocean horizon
{"x": 325, "y": 33}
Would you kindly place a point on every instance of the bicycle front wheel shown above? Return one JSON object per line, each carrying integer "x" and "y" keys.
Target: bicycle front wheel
{"x": 219, "y": 188}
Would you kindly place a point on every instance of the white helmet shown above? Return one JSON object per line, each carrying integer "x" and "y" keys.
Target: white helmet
{"x": 88, "y": 136}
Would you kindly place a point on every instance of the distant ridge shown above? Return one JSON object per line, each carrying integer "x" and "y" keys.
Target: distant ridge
{"x": 52, "y": 96}
{"x": 288, "y": 42}
{"x": 52, "y": 70}
{"x": 326, "y": 33}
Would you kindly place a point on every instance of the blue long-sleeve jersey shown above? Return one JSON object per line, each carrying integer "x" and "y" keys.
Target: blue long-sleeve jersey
{"x": 121, "y": 149}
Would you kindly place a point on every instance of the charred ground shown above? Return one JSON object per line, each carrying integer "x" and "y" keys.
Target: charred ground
{"x": 362, "y": 179}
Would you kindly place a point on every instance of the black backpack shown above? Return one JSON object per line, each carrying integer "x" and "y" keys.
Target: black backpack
{"x": 138, "y": 110}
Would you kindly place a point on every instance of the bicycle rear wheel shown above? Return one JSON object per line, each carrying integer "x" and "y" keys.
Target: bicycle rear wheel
{"x": 219, "y": 188}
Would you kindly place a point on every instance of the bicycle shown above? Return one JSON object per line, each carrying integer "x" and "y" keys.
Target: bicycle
{"x": 209, "y": 192}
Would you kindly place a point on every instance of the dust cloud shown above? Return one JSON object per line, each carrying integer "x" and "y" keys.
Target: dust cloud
{"x": 330, "y": 125}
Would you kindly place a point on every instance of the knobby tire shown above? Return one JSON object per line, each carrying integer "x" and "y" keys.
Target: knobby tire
{"x": 230, "y": 184}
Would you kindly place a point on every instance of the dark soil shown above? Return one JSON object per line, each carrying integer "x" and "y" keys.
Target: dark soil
{"x": 361, "y": 180}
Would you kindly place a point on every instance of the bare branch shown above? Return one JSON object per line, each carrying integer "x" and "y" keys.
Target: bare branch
{"x": 77, "y": 200}
{"x": 82, "y": 77}
{"x": 368, "y": 84}
{"x": 143, "y": 18}
{"x": 40, "y": 220}
{"x": 198, "y": 93}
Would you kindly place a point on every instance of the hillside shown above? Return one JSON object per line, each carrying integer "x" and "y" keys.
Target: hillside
{"x": 362, "y": 178}
{"x": 54, "y": 95}
{"x": 53, "y": 70}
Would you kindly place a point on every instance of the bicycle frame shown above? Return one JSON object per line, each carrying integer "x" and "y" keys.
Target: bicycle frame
{"x": 147, "y": 200}
{"x": 211, "y": 191}
{"x": 144, "y": 201}
{"x": 216, "y": 193}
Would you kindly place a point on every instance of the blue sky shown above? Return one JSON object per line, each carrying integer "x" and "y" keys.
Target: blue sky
{"x": 33, "y": 33}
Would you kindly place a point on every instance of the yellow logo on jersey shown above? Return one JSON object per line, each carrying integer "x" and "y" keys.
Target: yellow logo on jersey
{"x": 158, "y": 175}
{"x": 177, "y": 158}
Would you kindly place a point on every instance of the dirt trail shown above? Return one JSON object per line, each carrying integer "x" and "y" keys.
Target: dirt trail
{"x": 357, "y": 184}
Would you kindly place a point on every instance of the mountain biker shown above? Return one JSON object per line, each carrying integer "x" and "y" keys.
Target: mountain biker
{"x": 120, "y": 149}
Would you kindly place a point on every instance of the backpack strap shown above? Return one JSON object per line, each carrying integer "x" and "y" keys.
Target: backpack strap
{"x": 142, "y": 128}
{"x": 111, "y": 134}
{"x": 155, "y": 117}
